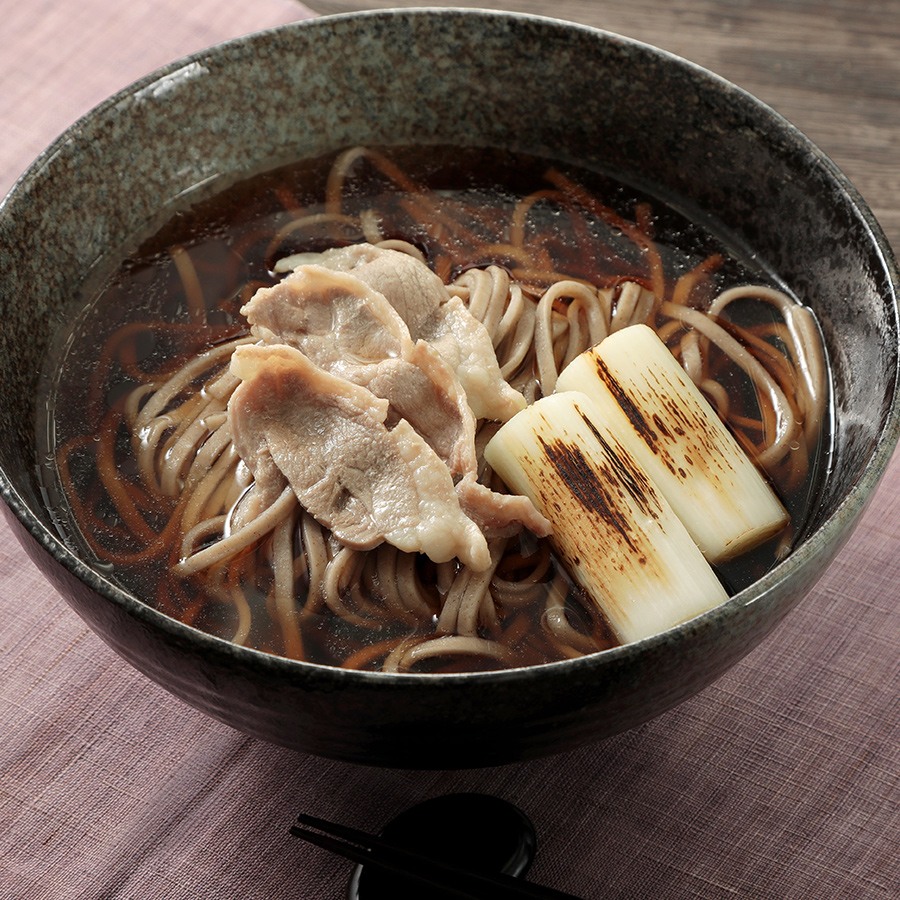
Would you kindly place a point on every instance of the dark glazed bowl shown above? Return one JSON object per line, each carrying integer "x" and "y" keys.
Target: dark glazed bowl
{"x": 413, "y": 77}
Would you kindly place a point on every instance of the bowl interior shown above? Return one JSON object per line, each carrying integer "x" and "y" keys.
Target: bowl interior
{"x": 400, "y": 78}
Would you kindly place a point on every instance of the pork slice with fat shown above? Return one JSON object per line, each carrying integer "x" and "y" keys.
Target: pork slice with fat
{"x": 466, "y": 345}
{"x": 336, "y": 320}
{"x": 408, "y": 284}
{"x": 431, "y": 314}
{"x": 349, "y": 329}
{"x": 328, "y": 438}
{"x": 499, "y": 515}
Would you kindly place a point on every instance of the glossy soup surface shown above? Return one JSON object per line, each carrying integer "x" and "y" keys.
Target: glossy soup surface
{"x": 137, "y": 324}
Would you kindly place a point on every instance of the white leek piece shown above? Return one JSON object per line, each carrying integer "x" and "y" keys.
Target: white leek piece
{"x": 614, "y": 531}
{"x": 659, "y": 414}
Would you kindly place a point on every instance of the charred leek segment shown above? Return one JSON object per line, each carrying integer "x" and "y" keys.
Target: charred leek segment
{"x": 647, "y": 399}
{"x": 613, "y": 529}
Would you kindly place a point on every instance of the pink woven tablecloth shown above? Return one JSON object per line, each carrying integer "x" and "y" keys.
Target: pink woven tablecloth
{"x": 778, "y": 781}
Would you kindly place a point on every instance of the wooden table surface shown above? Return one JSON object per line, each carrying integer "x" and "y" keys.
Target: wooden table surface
{"x": 778, "y": 781}
{"x": 832, "y": 67}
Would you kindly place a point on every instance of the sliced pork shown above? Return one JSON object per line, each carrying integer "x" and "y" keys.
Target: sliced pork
{"x": 349, "y": 329}
{"x": 328, "y": 438}
{"x": 409, "y": 285}
{"x": 423, "y": 389}
{"x": 423, "y": 302}
{"x": 466, "y": 345}
{"x": 338, "y": 379}
{"x": 332, "y": 317}
{"x": 499, "y": 515}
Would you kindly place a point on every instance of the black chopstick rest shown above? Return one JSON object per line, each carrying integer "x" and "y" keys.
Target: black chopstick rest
{"x": 450, "y": 881}
{"x": 489, "y": 833}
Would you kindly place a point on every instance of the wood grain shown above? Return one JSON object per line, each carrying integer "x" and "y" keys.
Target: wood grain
{"x": 832, "y": 67}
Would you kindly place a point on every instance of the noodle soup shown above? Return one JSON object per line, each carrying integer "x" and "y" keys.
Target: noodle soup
{"x": 547, "y": 258}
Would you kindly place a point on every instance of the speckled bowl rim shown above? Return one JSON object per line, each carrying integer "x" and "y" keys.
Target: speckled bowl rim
{"x": 830, "y": 531}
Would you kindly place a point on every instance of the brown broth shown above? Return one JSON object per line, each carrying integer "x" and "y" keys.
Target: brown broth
{"x": 230, "y": 238}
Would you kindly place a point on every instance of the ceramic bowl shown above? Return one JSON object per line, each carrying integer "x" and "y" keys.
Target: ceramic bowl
{"x": 441, "y": 76}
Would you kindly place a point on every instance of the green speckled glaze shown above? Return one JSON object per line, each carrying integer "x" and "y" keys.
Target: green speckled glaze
{"x": 443, "y": 76}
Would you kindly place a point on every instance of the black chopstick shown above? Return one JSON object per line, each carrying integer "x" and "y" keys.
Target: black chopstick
{"x": 370, "y": 849}
{"x": 359, "y": 855}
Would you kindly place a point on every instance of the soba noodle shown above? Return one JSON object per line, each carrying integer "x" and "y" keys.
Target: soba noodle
{"x": 389, "y": 609}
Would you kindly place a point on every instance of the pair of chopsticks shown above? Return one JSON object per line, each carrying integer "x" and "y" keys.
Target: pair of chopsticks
{"x": 452, "y": 881}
